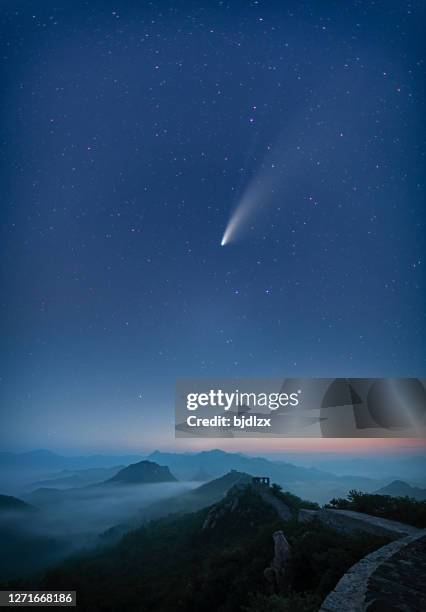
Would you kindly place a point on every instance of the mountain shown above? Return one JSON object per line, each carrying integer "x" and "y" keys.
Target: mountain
{"x": 215, "y": 489}
{"x": 13, "y": 504}
{"x": 25, "y": 549}
{"x": 176, "y": 564}
{"x": 143, "y": 472}
{"x": 189, "y": 501}
{"x": 399, "y": 488}
{"x": 201, "y": 497}
{"x": 218, "y": 462}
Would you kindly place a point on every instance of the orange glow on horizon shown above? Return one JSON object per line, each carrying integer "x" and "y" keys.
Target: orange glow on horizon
{"x": 302, "y": 445}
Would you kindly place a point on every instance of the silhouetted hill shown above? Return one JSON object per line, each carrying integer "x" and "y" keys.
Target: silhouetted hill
{"x": 13, "y": 504}
{"x": 143, "y": 472}
{"x": 220, "y": 486}
{"x": 201, "y": 497}
{"x": 399, "y": 488}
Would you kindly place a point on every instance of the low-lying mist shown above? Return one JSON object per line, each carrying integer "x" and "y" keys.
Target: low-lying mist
{"x": 58, "y": 523}
{"x": 89, "y": 511}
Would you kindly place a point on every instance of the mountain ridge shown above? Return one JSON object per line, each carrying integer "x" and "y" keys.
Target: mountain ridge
{"x": 143, "y": 472}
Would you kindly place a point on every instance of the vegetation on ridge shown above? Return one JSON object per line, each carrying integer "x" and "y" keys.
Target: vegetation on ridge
{"x": 402, "y": 509}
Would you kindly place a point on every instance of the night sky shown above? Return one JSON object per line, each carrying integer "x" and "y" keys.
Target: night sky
{"x": 130, "y": 131}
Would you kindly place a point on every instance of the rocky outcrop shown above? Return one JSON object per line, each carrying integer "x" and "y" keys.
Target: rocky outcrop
{"x": 348, "y": 521}
{"x": 389, "y": 579}
{"x": 277, "y": 572}
{"x": 219, "y": 511}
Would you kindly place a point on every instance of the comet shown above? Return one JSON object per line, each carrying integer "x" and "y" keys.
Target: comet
{"x": 235, "y": 222}
{"x": 241, "y": 215}
{"x": 259, "y": 193}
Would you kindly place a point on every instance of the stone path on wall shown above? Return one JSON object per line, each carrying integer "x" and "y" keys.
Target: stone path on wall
{"x": 279, "y": 506}
{"x": 399, "y": 583}
{"x": 391, "y": 579}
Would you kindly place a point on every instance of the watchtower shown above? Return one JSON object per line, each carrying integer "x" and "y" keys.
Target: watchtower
{"x": 260, "y": 481}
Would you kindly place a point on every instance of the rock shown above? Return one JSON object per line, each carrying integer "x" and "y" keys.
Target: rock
{"x": 230, "y": 504}
{"x": 277, "y": 572}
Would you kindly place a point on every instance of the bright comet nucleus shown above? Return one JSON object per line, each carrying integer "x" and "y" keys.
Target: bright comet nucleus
{"x": 259, "y": 193}
{"x": 238, "y": 222}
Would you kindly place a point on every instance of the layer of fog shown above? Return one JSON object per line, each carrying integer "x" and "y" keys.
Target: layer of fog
{"x": 60, "y": 523}
{"x": 88, "y": 511}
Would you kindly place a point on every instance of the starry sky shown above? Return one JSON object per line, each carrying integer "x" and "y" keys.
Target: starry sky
{"x": 130, "y": 131}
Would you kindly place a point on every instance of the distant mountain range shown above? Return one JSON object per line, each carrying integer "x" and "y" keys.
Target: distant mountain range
{"x": 399, "y": 488}
{"x": 217, "y": 462}
{"x": 186, "y": 465}
{"x": 143, "y": 472}
{"x": 47, "y": 460}
{"x": 43, "y": 466}
{"x": 386, "y": 466}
